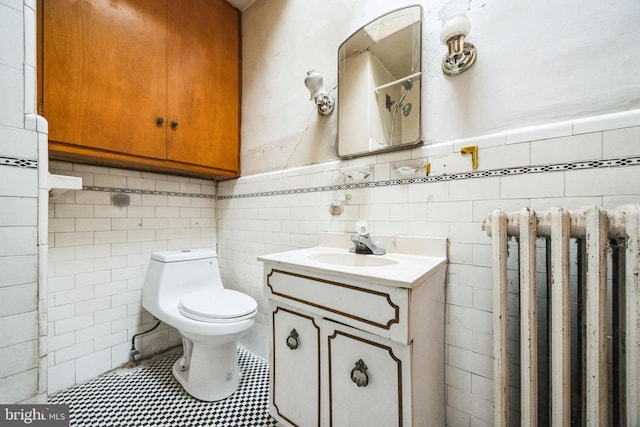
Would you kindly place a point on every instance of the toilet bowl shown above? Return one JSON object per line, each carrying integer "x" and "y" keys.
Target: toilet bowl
{"x": 184, "y": 290}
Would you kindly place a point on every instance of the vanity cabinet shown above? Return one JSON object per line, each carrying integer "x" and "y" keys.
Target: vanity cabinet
{"x": 351, "y": 350}
{"x": 145, "y": 84}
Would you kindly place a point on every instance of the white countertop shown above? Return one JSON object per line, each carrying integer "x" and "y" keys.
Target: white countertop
{"x": 405, "y": 270}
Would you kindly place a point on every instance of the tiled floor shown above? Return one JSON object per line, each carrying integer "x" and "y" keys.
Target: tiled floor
{"x": 148, "y": 395}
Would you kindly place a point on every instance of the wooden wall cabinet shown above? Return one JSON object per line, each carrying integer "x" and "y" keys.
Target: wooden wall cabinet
{"x": 144, "y": 84}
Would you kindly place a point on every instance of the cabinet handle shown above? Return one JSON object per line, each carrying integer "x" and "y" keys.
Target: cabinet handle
{"x": 292, "y": 340}
{"x": 174, "y": 124}
{"x": 159, "y": 121}
{"x": 359, "y": 374}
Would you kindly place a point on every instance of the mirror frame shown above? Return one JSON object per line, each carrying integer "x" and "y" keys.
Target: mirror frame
{"x": 413, "y": 50}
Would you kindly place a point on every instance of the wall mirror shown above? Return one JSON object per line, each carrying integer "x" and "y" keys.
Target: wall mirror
{"x": 379, "y": 85}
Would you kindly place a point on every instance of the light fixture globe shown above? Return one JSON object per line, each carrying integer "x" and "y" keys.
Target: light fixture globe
{"x": 314, "y": 83}
{"x": 460, "y": 55}
{"x": 322, "y": 99}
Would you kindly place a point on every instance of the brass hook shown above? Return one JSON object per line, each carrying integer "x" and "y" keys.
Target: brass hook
{"x": 473, "y": 150}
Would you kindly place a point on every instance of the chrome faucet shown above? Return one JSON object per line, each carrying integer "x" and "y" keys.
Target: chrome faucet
{"x": 362, "y": 241}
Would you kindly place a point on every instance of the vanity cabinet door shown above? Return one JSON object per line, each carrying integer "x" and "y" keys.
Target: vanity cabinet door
{"x": 368, "y": 378}
{"x": 295, "y": 373}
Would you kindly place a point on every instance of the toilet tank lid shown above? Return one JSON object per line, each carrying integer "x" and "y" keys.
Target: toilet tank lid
{"x": 183, "y": 255}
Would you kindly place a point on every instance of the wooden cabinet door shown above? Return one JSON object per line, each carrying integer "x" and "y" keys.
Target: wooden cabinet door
{"x": 295, "y": 373}
{"x": 203, "y": 83}
{"x": 104, "y": 77}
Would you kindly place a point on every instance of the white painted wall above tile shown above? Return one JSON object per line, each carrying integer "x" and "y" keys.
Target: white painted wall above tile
{"x": 570, "y": 60}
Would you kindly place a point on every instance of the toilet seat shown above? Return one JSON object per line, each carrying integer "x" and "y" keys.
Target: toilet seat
{"x": 218, "y": 306}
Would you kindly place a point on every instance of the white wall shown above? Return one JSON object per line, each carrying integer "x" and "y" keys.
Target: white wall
{"x": 98, "y": 258}
{"x": 537, "y": 62}
{"x": 23, "y": 247}
{"x": 592, "y": 161}
{"x": 555, "y": 84}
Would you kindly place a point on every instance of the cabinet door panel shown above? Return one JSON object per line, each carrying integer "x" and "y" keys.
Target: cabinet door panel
{"x": 203, "y": 80}
{"x": 296, "y": 368}
{"x": 104, "y": 76}
{"x": 381, "y": 368}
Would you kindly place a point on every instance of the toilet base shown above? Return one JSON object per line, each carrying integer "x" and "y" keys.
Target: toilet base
{"x": 212, "y": 373}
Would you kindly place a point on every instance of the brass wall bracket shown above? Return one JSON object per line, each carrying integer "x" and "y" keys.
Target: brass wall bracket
{"x": 473, "y": 150}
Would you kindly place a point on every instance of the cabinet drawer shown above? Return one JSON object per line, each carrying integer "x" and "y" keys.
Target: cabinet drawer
{"x": 377, "y": 309}
{"x": 295, "y": 376}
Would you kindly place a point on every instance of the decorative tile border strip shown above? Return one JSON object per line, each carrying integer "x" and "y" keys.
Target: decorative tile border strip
{"x": 149, "y": 192}
{"x": 518, "y": 170}
{"x": 21, "y": 163}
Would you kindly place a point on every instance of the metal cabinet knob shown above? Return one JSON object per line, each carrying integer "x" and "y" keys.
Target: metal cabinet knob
{"x": 174, "y": 124}
{"x": 359, "y": 374}
{"x": 159, "y": 121}
{"x": 292, "y": 340}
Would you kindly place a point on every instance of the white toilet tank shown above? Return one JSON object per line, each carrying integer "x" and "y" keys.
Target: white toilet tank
{"x": 172, "y": 274}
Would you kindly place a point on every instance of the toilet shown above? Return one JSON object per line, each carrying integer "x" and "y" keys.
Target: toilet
{"x": 184, "y": 290}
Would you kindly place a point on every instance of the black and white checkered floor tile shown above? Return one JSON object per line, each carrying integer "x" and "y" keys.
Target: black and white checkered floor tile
{"x": 148, "y": 395}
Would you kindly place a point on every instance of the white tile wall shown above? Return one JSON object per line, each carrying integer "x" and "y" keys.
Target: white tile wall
{"x": 571, "y": 148}
{"x": 98, "y": 257}
{"x": 22, "y": 310}
{"x": 252, "y": 226}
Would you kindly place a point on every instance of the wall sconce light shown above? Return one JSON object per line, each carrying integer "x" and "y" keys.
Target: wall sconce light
{"x": 323, "y": 100}
{"x": 455, "y": 27}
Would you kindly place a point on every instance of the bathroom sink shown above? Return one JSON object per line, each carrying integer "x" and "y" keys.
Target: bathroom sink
{"x": 408, "y": 262}
{"x": 349, "y": 259}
